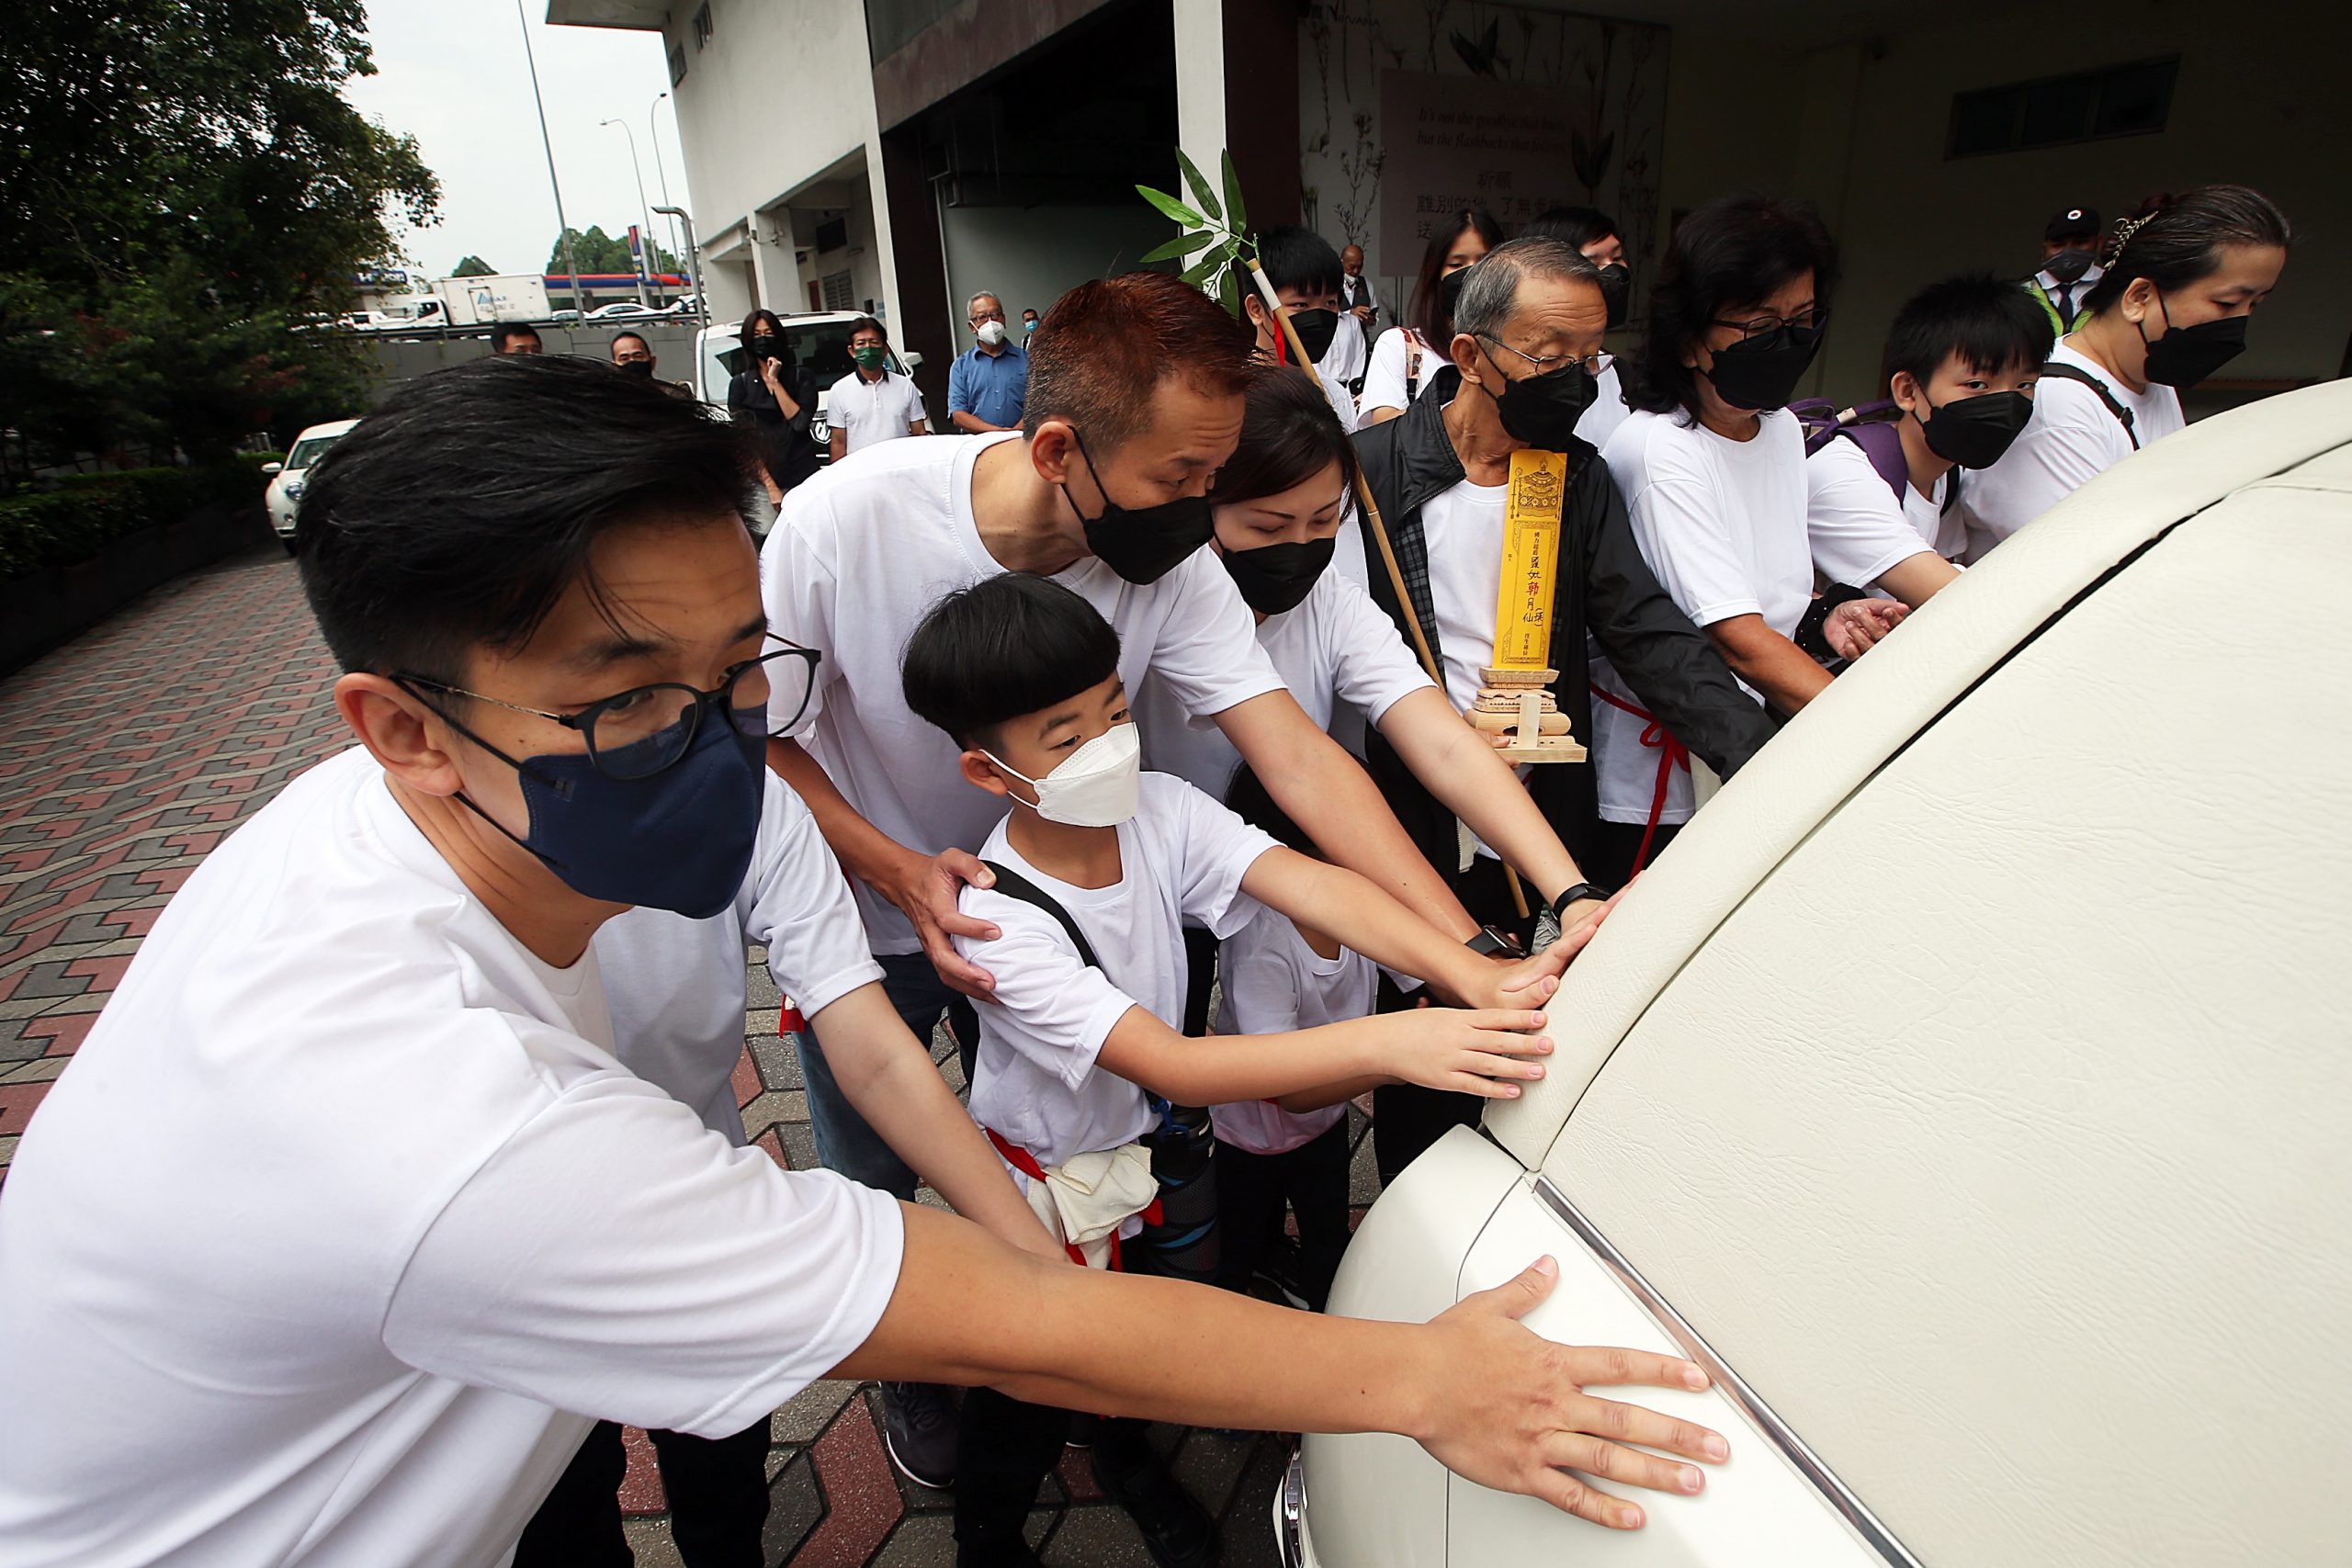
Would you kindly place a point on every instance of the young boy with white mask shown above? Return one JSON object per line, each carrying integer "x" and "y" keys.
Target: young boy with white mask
{"x": 1096, "y": 865}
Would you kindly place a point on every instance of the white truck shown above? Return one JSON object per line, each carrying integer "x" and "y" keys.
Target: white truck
{"x": 485, "y": 301}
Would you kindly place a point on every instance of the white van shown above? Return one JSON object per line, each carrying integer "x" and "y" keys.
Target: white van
{"x": 1967, "y": 1087}
{"x": 820, "y": 346}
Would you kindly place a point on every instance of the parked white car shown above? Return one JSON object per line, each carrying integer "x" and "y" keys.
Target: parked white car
{"x": 1967, "y": 1086}
{"x": 622, "y": 311}
{"x": 287, "y": 479}
{"x": 819, "y": 345}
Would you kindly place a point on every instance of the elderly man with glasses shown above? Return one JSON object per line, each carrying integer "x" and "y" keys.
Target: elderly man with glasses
{"x": 1524, "y": 358}
{"x": 988, "y": 384}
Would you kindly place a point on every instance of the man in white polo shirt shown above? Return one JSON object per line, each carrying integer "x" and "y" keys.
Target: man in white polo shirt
{"x": 346, "y": 1223}
{"x": 873, "y": 403}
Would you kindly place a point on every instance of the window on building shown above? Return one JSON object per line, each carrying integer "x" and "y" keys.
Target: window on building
{"x": 832, "y": 233}
{"x": 677, "y": 63}
{"x": 839, "y": 293}
{"x": 703, "y": 29}
{"x": 2088, "y": 106}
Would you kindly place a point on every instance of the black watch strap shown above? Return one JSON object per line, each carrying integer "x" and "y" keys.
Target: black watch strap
{"x": 1492, "y": 944}
{"x": 1578, "y": 895}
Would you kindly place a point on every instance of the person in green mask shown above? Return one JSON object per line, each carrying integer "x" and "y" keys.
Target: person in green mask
{"x": 874, "y": 403}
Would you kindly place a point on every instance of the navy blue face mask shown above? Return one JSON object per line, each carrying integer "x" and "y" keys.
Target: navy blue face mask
{"x": 679, "y": 840}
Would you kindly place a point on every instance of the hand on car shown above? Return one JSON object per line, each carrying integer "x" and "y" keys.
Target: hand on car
{"x": 1482, "y": 1053}
{"x": 1856, "y": 626}
{"x": 924, "y": 888}
{"x": 1508, "y": 1409}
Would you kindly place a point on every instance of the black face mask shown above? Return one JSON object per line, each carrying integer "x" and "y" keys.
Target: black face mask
{"x": 641, "y": 369}
{"x": 1762, "y": 373}
{"x": 1542, "y": 409}
{"x": 1316, "y": 330}
{"x": 2069, "y": 264}
{"x": 1974, "y": 432}
{"x": 1274, "y": 577}
{"x": 1449, "y": 293}
{"x": 1142, "y": 543}
{"x": 2185, "y": 355}
{"x": 769, "y": 346}
{"x": 1617, "y": 291}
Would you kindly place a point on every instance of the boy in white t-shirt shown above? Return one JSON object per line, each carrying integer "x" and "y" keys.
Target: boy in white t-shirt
{"x": 242, "y": 1324}
{"x": 1288, "y": 1152}
{"x": 1094, "y": 868}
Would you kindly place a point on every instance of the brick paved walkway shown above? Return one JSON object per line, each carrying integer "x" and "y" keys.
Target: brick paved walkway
{"x": 132, "y": 752}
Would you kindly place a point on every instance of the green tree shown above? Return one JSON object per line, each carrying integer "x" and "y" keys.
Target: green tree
{"x": 596, "y": 251}
{"x": 182, "y": 184}
{"x": 473, "y": 267}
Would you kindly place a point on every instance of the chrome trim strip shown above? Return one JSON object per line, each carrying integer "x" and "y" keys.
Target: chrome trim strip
{"x": 1290, "y": 1510}
{"x": 1833, "y": 1491}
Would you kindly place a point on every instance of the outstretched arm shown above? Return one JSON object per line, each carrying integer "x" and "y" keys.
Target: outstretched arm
{"x": 1460, "y": 767}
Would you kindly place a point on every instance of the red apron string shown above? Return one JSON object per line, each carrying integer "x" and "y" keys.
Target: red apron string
{"x": 1024, "y": 1162}
{"x": 1671, "y": 753}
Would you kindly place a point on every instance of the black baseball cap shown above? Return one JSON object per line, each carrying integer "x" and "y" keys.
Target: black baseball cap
{"x": 2073, "y": 223}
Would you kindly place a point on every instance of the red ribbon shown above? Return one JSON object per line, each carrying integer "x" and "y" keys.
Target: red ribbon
{"x": 1024, "y": 1162}
{"x": 1672, "y": 753}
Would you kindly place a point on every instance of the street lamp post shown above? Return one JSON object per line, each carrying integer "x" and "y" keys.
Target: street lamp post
{"x": 563, "y": 230}
{"x": 694, "y": 272}
{"x": 645, "y": 247}
{"x": 661, "y": 170}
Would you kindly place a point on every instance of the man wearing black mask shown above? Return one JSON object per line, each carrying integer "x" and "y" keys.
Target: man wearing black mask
{"x": 2069, "y": 267}
{"x": 1135, "y": 400}
{"x": 1526, "y": 349}
{"x": 632, "y": 355}
{"x": 1305, "y": 271}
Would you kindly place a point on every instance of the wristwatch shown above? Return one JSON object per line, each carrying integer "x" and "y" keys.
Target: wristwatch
{"x": 1492, "y": 944}
{"x": 1576, "y": 895}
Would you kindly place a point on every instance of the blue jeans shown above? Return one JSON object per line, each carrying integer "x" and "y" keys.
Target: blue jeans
{"x": 844, "y": 1143}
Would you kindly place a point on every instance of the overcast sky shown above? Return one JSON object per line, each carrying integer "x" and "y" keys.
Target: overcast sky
{"x": 451, "y": 74}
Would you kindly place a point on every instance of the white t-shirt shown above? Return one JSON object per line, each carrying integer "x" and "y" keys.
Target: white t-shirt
{"x": 674, "y": 986}
{"x": 1384, "y": 379}
{"x": 1181, "y": 857}
{"x": 2071, "y": 439}
{"x": 1341, "y": 364}
{"x": 870, "y": 412}
{"x": 1723, "y": 525}
{"x": 1856, "y": 523}
{"x": 1271, "y": 982}
{"x": 345, "y": 1202}
{"x": 1599, "y": 422}
{"x": 864, "y": 550}
{"x": 1333, "y": 647}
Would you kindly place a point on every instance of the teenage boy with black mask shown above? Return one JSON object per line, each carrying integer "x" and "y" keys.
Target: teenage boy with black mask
{"x": 336, "y": 1338}
{"x": 1304, "y": 272}
{"x": 1135, "y": 400}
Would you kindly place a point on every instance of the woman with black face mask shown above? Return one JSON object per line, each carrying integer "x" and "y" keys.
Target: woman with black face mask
{"x": 774, "y": 396}
{"x": 1594, "y": 234}
{"x": 1279, "y": 502}
{"x": 1407, "y": 359}
{"x": 1712, "y": 465}
{"x": 2183, "y": 278}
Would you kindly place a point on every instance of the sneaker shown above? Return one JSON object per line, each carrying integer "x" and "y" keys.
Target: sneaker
{"x": 1282, "y": 1273}
{"x": 1176, "y": 1530}
{"x": 918, "y": 1433}
{"x": 1081, "y": 1431}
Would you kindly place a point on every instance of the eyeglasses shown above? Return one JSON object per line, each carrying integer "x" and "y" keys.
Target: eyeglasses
{"x": 638, "y": 733}
{"x": 1592, "y": 364}
{"x": 1809, "y": 319}
{"x": 989, "y": 316}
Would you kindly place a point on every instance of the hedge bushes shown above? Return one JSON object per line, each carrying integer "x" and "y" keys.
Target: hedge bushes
{"x": 87, "y": 513}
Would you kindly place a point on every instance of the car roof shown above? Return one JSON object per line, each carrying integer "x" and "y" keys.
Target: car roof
{"x": 333, "y": 427}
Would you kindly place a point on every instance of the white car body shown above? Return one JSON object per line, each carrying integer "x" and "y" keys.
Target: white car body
{"x": 1966, "y": 1086}
{"x": 622, "y": 311}
{"x": 284, "y": 495}
{"x": 815, "y": 337}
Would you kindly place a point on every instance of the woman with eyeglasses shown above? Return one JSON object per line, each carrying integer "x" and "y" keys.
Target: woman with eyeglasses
{"x": 2183, "y": 278}
{"x": 1713, "y": 469}
{"x": 1407, "y": 359}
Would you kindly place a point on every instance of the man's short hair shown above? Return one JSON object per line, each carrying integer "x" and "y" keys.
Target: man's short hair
{"x": 458, "y": 514}
{"x": 507, "y": 332}
{"x": 1579, "y": 225}
{"x": 1299, "y": 258}
{"x": 972, "y": 306}
{"x": 1008, "y": 645}
{"x": 1991, "y": 322}
{"x": 637, "y": 338}
{"x": 1103, "y": 348}
{"x": 1491, "y": 289}
{"x": 868, "y": 324}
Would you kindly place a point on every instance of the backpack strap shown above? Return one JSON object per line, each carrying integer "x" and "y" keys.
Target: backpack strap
{"x": 1012, "y": 885}
{"x": 1882, "y": 445}
{"x": 2106, "y": 394}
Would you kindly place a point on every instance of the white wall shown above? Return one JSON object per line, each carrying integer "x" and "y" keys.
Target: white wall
{"x": 1028, "y": 257}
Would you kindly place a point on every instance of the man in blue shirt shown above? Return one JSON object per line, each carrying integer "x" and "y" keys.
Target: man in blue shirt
{"x": 988, "y": 383}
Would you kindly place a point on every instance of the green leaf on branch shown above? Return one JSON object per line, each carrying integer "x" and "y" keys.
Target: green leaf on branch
{"x": 1230, "y": 291}
{"x": 1203, "y": 192}
{"x": 1201, "y": 272}
{"x": 1182, "y": 245}
{"x": 1169, "y": 208}
{"x": 1240, "y": 224}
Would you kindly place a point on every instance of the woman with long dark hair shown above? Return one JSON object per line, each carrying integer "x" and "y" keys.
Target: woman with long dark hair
{"x": 1407, "y": 359}
{"x": 2184, "y": 275}
{"x": 1712, "y": 467}
{"x": 774, "y": 397}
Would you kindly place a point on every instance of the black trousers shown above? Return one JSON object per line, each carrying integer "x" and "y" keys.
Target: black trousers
{"x": 1615, "y": 846}
{"x": 717, "y": 1489}
{"x": 1252, "y": 1191}
{"x": 1406, "y": 1118}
